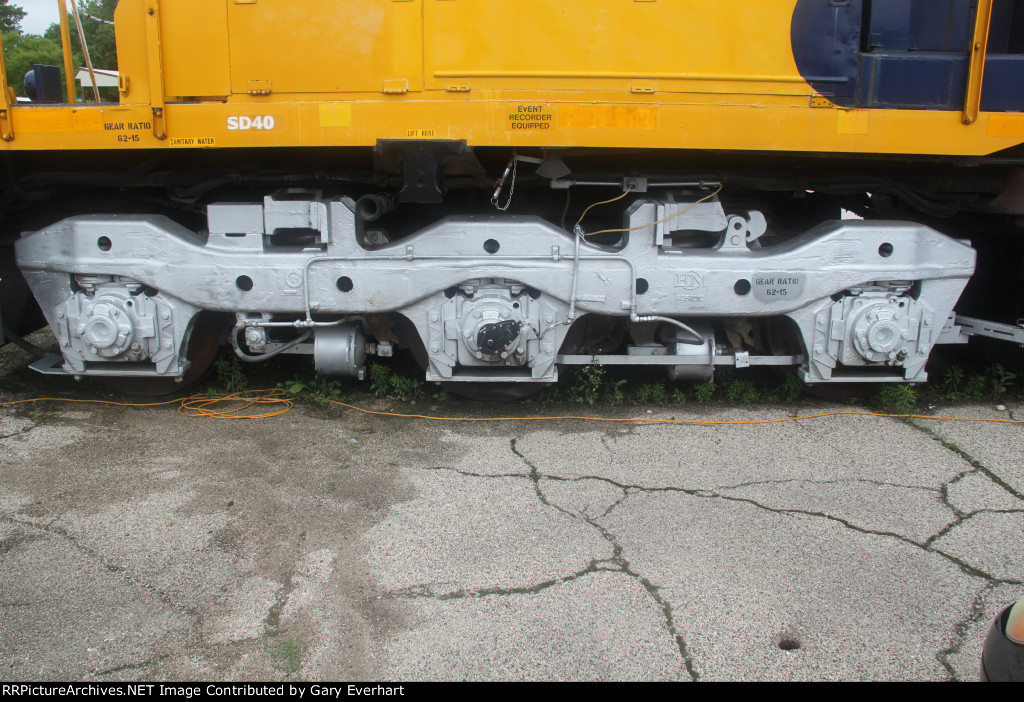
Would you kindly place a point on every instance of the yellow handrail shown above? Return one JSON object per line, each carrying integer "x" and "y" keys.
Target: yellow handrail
{"x": 65, "y": 43}
{"x": 976, "y": 72}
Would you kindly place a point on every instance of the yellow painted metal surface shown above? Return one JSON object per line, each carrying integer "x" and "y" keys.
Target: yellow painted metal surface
{"x": 582, "y": 45}
{"x": 658, "y": 74}
{"x": 330, "y": 46}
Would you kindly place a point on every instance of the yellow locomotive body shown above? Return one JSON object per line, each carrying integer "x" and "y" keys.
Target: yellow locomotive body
{"x": 656, "y": 74}
{"x": 341, "y": 177}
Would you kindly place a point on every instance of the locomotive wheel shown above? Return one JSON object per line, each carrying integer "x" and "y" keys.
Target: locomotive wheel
{"x": 203, "y": 347}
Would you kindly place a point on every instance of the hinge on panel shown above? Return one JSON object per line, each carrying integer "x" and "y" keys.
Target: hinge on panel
{"x": 643, "y": 86}
{"x": 818, "y": 101}
{"x": 6, "y": 123}
{"x": 159, "y": 123}
{"x": 260, "y": 87}
{"x": 123, "y": 84}
{"x": 458, "y": 87}
{"x": 395, "y": 86}
{"x": 6, "y": 127}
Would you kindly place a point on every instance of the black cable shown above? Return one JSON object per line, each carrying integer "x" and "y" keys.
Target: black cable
{"x": 22, "y": 344}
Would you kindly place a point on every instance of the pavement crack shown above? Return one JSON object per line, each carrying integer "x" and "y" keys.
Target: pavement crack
{"x": 535, "y": 477}
{"x": 926, "y": 546}
{"x": 960, "y": 519}
{"x": 424, "y": 591}
{"x": 967, "y": 457}
{"x": 468, "y": 474}
{"x": 960, "y": 631}
{"x": 121, "y": 571}
{"x": 654, "y": 592}
{"x": 625, "y": 494}
{"x": 878, "y": 483}
{"x": 618, "y": 562}
{"x": 26, "y": 430}
{"x": 131, "y": 666}
{"x": 272, "y": 622}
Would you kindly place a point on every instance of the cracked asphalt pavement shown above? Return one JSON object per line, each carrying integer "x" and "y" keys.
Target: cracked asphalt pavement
{"x": 326, "y": 544}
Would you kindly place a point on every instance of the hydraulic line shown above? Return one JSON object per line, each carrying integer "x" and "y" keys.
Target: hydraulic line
{"x": 266, "y": 356}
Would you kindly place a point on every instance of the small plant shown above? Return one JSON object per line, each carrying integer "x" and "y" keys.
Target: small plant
{"x": 295, "y": 387}
{"x": 380, "y": 383}
{"x": 899, "y": 399}
{"x": 288, "y": 651}
{"x": 614, "y": 392}
{"x": 953, "y": 385}
{"x": 320, "y": 388}
{"x": 705, "y": 392}
{"x": 651, "y": 392}
{"x": 741, "y": 390}
{"x": 999, "y": 380}
{"x": 324, "y": 390}
{"x": 679, "y": 396}
{"x": 791, "y": 389}
{"x": 587, "y": 386}
{"x": 230, "y": 375}
{"x": 385, "y": 383}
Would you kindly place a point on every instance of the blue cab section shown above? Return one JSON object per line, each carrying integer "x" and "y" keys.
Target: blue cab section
{"x": 907, "y": 54}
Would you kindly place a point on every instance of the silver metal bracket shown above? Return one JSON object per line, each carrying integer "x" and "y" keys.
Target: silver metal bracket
{"x": 993, "y": 330}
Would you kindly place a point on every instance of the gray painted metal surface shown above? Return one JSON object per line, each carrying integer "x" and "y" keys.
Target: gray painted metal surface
{"x": 492, "y": 297}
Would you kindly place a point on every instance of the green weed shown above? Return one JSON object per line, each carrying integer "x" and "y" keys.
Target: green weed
{"x": 385, "y": 383}
{"x": 957, "y": 384}
{"x": 587, "y": 384}
{"x": 230, "y": 375}
{"x": 705, "y": 392}
{"x": 319, "y": 389}
{"x": 792, "y": 387}
{"x": 899, "y": 399}
{"x": 999, "y": 380}
{"x": 615, "y": 392}
{"x": 737, "y": 390}
{"x": 288, "y": 651}
{"x": 651, "y": 393}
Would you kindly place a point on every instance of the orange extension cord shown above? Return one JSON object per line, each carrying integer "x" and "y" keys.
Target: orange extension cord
{"x": 240, "y": 405}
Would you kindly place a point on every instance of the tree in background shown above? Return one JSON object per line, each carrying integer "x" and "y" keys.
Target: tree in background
{"x": 98, "y": 35}
{"x": 10, "y": 17}
{"x": 21, "y": 51}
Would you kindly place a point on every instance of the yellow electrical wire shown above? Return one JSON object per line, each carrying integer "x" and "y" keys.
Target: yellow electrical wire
{"x": 603, "y": 202}
{"x": 213, "y": 407}
{"x": 652, "y": 224}
{"x": 240, "y": 403}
